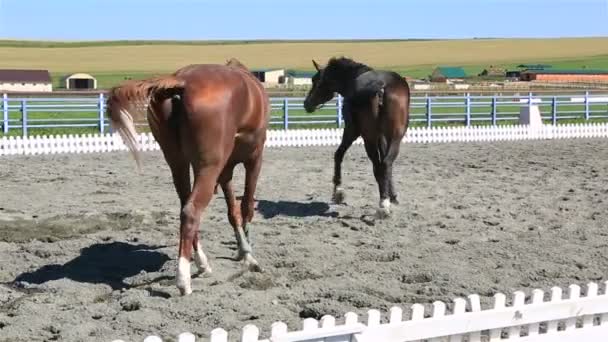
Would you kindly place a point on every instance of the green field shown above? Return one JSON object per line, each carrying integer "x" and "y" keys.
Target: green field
{"x": 112, "y": 61}
{"x": 108, "y": 79}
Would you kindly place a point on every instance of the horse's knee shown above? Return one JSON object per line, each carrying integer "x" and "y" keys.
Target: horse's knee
{"x": 189, "y": 220}
{"x": 234, "y": 216}
{"x": 247, "y": 211}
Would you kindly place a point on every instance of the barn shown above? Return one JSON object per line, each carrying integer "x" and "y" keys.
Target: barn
{"x": 557, "y": 75}
{"x": 25, "y": 80}
{"x": 269, "y": 76}
{"x": 80, "y": 81}
{"x": 445, "y": 74}
{"x": 296, "y": 78}
{"x": 493, "y": 71}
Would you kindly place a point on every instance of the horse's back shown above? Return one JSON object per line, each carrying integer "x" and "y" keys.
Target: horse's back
{"x": 226, "y": 112}
{"x": 225, "y": 90}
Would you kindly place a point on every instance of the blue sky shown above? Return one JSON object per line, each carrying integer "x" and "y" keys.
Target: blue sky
{"x": 300, "y": 19}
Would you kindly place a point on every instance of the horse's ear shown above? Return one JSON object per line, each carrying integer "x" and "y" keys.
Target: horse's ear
{"x": 316, "y": 65}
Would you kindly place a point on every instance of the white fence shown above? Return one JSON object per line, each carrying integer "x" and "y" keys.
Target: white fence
{"x": 306, "y": 137}
{"x": 533, "y": 319}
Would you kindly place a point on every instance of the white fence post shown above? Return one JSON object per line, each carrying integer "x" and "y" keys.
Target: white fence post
{"x": 219, "y": 335}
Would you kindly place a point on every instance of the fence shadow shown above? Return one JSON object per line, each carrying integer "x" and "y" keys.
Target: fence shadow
{"x": 270, "y": 209}
{"x": 102, "y": 263}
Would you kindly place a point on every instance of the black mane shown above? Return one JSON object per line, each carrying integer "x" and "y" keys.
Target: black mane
{"x": 345, "y": 69}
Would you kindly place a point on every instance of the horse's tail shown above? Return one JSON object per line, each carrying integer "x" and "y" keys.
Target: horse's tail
{"x": 126, "y": 104}
{"x": 388, "y": 146}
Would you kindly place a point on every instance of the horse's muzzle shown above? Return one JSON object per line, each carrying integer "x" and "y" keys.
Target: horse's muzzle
{"x": 309, "y": 107}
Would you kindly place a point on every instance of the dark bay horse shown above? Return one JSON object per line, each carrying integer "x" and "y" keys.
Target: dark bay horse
{"x": 376, "y": 107}
{"x": 207, "y": 117}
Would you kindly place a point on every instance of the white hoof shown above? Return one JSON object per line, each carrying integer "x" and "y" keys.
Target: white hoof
{"x": 339, "y": 195}
{"x": 251, "y": 264}
{"x": 384, "y": 211}
{"x": 200, "y": 259}
{"x": 183, "y": 277}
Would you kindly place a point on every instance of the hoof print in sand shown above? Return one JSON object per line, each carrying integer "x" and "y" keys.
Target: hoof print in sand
{"x": 416, "y": 278}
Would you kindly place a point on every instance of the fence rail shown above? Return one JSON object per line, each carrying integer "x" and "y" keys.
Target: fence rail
{"x": 580, "y": 316}
{"x": 88, "y": 143}
{"x": 88, "y": 111}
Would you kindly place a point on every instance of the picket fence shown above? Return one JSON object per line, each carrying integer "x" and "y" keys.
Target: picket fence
{"x": 525, "y": 319}
{"x": 107, "y": 142}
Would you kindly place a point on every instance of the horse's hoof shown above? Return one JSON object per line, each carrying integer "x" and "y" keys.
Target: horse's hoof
{"x": 251, "y": 264}
{"x": 338, "y": 196}
{"x": 383, "y": 213}
{"x": 182, "y": 278}
{"x": 185, "y": 290}
{"x": 204, "y": 270}
{"x": 384, "y": 210}
{"x": 394, "y": 201}
{"x": 255, "y": 268}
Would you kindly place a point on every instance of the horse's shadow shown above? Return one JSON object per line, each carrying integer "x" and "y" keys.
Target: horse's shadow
{"x": 102, "y": 263}
{"x": 270, "y": 209}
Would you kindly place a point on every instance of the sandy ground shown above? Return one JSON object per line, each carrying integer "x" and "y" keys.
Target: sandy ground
{"x": 88, "y": 246}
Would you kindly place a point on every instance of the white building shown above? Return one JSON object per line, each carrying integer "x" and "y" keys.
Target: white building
{"x": 270, "y": 76}
{"x": 20, "y": 80}
{"x": 80, "y": 81}
{"x": 296, "y": 78}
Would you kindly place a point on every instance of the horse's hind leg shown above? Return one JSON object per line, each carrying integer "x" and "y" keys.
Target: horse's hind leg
{"x": 390, "y": 159}
{"x": 348, "y": 137}
{"x": 380, "y": 169}
{"x": 243, "y": 234}
{"x": 204, "y": 181}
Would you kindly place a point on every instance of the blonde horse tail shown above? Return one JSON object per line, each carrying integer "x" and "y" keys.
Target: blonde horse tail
{"x": 126, "y": 104}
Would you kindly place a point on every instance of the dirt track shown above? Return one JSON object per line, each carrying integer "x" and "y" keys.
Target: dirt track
{"x": 88, "y": 246}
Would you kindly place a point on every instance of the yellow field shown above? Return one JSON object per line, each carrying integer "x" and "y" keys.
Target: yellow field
{"x": 407, "y": 54}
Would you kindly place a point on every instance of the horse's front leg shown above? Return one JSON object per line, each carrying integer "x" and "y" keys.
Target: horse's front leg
{"x": 350, "y": 135}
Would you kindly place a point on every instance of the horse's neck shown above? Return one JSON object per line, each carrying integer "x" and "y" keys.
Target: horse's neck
{"x": 348, "y": 84}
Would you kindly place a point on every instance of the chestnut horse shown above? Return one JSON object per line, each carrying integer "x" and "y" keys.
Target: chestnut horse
{"x": 376, "y": 107}
{"x": 209, "y": 117}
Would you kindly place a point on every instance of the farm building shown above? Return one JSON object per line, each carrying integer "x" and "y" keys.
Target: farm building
{"x": 25, "y": 80}
{"x": 299, "y": 78}
{"x": 80, "y": 81}
{"x": 556, "y": 75}
{"x": 513, "y": 74}
{"x": 446, "y": 74}
{"x": 493, "y": 71}
{"x": 269, "y": 76}
{"x": 534, "y": 66}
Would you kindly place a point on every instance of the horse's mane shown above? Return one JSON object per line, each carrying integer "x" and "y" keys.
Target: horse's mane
{"x": 344, "y": 68}
{"x": 233, "y": 62}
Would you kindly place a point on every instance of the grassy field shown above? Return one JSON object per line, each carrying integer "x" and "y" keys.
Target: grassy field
{"x": 112, "y": 61}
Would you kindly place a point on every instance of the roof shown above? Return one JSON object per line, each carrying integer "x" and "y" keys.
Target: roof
{"x": 303, "y": 74}
{"x": 570, "y": 72}
{"x": 534, "y": 66}
{"x": 79, "y": 75}
{"x": 451, "y": 72}
{"x": 266, "y": 69}
{"x": 17, "y": 75}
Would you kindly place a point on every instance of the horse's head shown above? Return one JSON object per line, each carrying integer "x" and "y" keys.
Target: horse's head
{"x": 322, "y": 90}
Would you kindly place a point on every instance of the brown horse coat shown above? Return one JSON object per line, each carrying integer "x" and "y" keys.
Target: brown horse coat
{"x": 210, "y": 118}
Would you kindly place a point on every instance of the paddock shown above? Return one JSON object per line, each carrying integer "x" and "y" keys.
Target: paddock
{"x": 89, "y": 246}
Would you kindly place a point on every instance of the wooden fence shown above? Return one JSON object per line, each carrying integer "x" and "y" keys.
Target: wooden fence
{"x": 536, "y": 317}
